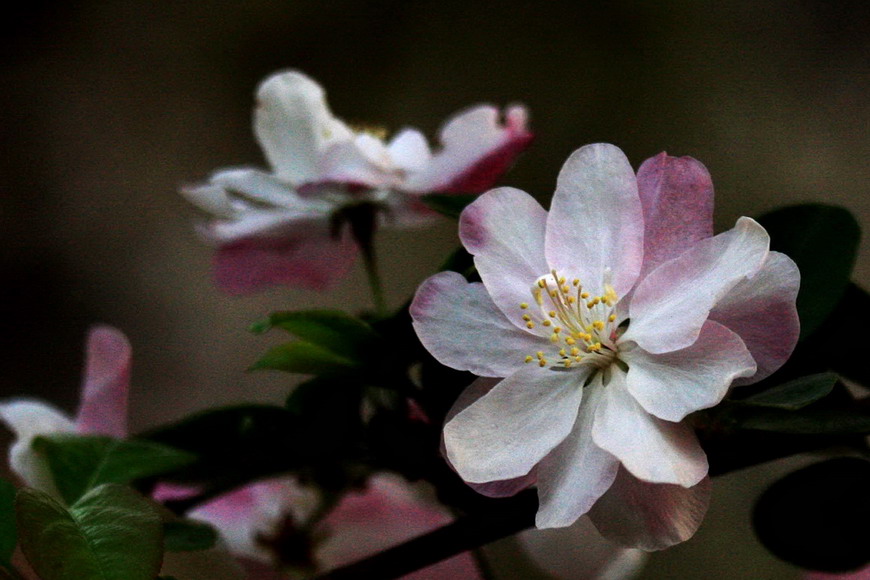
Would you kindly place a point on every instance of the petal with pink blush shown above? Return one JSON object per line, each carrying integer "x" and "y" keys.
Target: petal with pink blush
{"x": 595, "y": 222}
{"x": 651, "y": 449}
{"x": 650, "y": 516}
{"x": 674, "y": 384}
{"x": 677, "y": 198}
{"x": 293, "y": 125}
{"x": 670, "y": 305}
{"x": 577, "y": 472}
{"x": 103, "y": 407}
{"x": 761, "y": 309}
{"x": 506, "y": 432}
{"x": 460, "y": 325}
{"x": 504, "y": 230}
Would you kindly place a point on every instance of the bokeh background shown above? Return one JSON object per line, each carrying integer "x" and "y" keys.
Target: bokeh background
{"x": 108, "y": 106}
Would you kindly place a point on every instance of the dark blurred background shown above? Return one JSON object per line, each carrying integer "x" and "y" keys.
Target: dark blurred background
{"x": 108, "y": 106}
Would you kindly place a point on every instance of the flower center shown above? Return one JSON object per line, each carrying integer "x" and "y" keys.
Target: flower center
{"x": 580, "y": 327}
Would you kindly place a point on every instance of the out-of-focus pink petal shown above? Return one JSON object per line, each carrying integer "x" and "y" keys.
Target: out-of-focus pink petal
{"x": 595, "y": 222}
{"x": 579, "y": 551}
{"x": 504, "y": 230}
{"x": 761, "y": 309}
{"x": 459, "y": 324}
{"x": 575, "y": 474}
{"x": 507, "y": 431}
{"x": 677, "y": 198}
{"x": 103, "y": 407}
{"x": 174, "y": 491}
{"x": 313, "y": 262}
{"x": 294, "y": 125}
{"x": 476, "y": 150}
{"x": 674, "y": 384}
{"x": 650, "y": 516}
{"x": 863, "y": 574}
{"x": 384, "y": 515}
{"x": 651, "y": 449}
{"x": 671, "y": 304}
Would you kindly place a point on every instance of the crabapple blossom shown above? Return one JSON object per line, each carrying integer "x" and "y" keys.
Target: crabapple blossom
{"x": 282, "y": 226}
{"x": 598, "y": 327}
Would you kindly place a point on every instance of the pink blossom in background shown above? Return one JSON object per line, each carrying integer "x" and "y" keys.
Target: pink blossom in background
{"x": 598, "y": 327}
{"x": 276, "y": 227}
{"x": 863, "y": 574}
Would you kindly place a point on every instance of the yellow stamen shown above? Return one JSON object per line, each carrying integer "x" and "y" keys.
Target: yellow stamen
{"x": 524, "y": 305}
{"x": 529, "y": 358}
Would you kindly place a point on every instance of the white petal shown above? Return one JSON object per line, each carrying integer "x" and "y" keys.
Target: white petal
{"x": 459, "y": 324}
{"x": 575, "y": 474}
{"x": 651, "y": 449}
{"x": 294, "y": 125}
{"x": 596, "y": 220}
{"x": 363, "y": 160}
{"x": 670, "y": 305}
{"x": 268, "y": 223}
{"x": 508, "y": 430}
{"x": 409, "y": 150}
{"x": 504, "y": 230}
{"x": 259, "y": 187}
{"x": 674, "y": 384}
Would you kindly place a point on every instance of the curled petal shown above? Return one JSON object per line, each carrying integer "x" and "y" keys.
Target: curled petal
{"x": 409, "y": 150}
{"x": 103, "y": 407}
{"x": 506, "y": 432}
{"x": 650, "y": 516}
{"x": 460, "y": 325}
{"x": 761, "y": 309}
{"x": 364, "y": 160}
{"x": 674, "y": 384}
{"x": 651, "y": 449}
{"x": 671, "y": 304}
{"x": 595, "y": 222}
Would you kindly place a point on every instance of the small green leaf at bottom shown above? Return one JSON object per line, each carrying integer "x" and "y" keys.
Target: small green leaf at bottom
{"x": 8, "y": 534}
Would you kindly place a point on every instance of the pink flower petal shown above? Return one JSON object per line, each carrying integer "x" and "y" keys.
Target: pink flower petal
{"x": 651, "y": 449}
{"x": 577, "y": 472}
{"x": 506, "y": 432}
{"x": 650, "y": 516}
{"x": 671, "y": 304}
{"x": 863, "y": 574}
{"x": 761, "y": 309}
{"x": 103, "y": 407}
{"x": 677, "y": 198}
{"x": 674, "y": 384}
{"x": 459, "y": 324}
{"x": 504, "y": 230}
{"x": 595, "y": 222}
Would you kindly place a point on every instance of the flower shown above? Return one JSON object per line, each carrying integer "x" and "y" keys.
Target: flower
{"x": 279, "y": 227}
{"x": 608, "y": 320}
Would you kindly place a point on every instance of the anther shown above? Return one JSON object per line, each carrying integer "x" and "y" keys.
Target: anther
{"x": 524, "y": 305}
{"x": 529, "y": 358}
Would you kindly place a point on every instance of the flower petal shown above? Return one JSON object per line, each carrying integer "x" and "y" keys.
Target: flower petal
{"x": 476, "y": 150}
{"x": 674, "y": 384}
{"x": 504, "y": 230}
{"x": 650, "y": 516}
{"x": 294, "y": 124}
{"x": 575, "y": 474}
{"x": 677, "y": 198}
{"x": 651, "y": 449}
{"x": 506, "y": 432}
{"x": 103, "y": 407}
{"x": 596, "y": 220}
{"x": 409, "y": 150}
{"x": 459, "y": 324}
{"x": 580, "y": 551}
{"x": 761, "y": 309}
{"x": 364, "y": 160}
{"x": 670, "y": 305}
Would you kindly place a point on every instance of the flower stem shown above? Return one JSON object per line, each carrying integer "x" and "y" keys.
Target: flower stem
{"x": 363, "y": 223}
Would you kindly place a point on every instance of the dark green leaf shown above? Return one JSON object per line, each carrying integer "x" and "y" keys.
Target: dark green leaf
{"x": 8, "y": 537}
{"x": 188, "y": 536}
{"x": 794, "y": 394}
{"x": 82, "y": 462}
{"x": 817, "y": 517}
{"x": 809, "y": 420}
{"x": 333, "y": 330}
{"x": 823, "y": 242}
{"x": 111, "y": 533}
{"x": 450, "y": 205}
{"x": 303, "y": 358}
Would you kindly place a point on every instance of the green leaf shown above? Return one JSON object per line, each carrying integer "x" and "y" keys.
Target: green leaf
{"x": 333, "y": 330}
{"x": 823, "y": 242}
{"x": 8, "y": 536}
{"x": 82, "y": 462}
{"x": 794, "y": 394}
{"x": 111, "y": 533}
{"x": 809, "y": 421}
{"x": 304, "y": 358}
{"x": 188, "y": 536}
{"x": 450, "y": 205}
